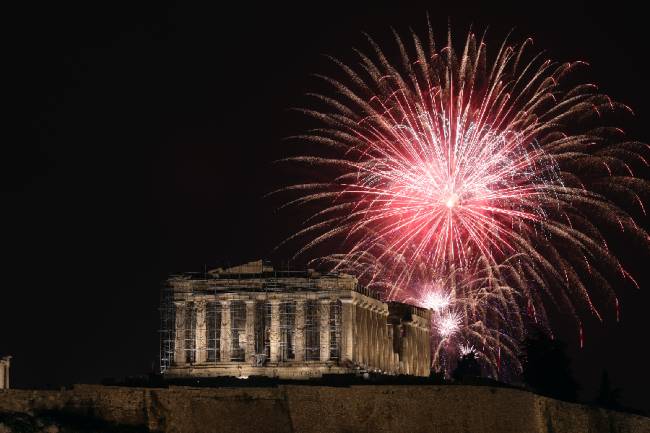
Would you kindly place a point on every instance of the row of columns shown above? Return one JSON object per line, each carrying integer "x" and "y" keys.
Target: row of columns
{"x": 368, "y": 340}
{"x": 371, "y": 337}
{"x": 366, "y": 336}
{"x": 274, "y": 337}
{"x": 417, "y": 350}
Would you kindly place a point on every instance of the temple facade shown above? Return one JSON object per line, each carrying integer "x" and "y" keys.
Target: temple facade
{"x": 253, "y": 320}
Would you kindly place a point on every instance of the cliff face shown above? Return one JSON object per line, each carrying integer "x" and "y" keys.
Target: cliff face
{"x": 294, "y": 408}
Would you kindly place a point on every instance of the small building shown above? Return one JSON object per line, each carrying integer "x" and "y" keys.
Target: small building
{"x": 254, "y": 320}
{"x": 5, "y": 363}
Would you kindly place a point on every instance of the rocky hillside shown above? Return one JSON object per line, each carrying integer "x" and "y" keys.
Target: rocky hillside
{"x": 296, "y": 408}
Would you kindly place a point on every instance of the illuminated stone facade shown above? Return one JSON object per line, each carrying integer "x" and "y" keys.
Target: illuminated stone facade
{"x": 5, "y": 363}
{"x": 253, "y": 320}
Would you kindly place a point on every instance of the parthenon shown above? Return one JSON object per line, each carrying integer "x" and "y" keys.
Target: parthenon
{"x": 253, "y": 320}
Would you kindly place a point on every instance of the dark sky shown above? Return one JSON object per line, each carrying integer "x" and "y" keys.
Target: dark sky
{"x": 143, "y": 146}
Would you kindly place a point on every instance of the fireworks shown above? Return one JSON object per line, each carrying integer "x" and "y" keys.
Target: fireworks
{"x": 466, "y": 349}
{"x": 480, "y": 187}
{"x": 448, "y": 323}
{"x": 434, "y": 298}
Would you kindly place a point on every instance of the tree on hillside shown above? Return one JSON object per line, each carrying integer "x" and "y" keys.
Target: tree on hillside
{"x": 547, "y": 368}
{"x": 467, "y": 367}
{"x": 608, "y": 397}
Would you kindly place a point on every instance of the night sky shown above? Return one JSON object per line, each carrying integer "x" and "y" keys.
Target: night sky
{"x": 144, "y": 145}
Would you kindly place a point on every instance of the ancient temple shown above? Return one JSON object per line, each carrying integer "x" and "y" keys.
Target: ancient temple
{"x": 253, "y": 320}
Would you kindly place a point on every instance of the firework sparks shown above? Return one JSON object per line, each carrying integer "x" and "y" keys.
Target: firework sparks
{"x": 466, "y": 349}
{"x": 448, "y": 324}
{"x": 451, "y": 165}
{"x": 434, "y": 298}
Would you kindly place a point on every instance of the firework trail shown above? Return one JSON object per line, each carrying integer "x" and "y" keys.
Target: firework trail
{"x": 447, "y": 165}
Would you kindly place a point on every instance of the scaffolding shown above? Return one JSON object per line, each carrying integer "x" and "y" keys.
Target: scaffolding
{"x": 167, "y": 328}
{"x": 335, "y": 330}
{"x": 213, "y": 331}
{"x": 287, "y": 330}
{"x": 312, "y": 331}
{"x": 262, "y": 332}
{"x": 237, "y": 331}
{"x": 190, "y": 333}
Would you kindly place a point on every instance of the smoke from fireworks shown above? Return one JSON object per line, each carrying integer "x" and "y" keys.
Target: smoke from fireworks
{"x": 481, "y": 189}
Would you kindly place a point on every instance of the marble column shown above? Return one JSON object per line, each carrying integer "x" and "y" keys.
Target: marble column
{"x": 347, "y": 330}
{"x": 368, "y": 316}
{"x": 371, "y": 337}
{"x": 427, "y": 350}
{"x": 5, "y": 363}
{"x": 299, "y": 331}
{"x": 179, "y": 335}
{"x": 357, "y": 335}
{"x": 365, "y": 334}
{"x": 387, "y": 347}
{"x": 375, "y": 339}
{"x": 421, "y": 356}
{"x": 250, "y": 331}
{"x": 381, "y": 341}
{"x": 324, "y": 315}
{"x": 275, "y": 330}
{"x": 412, "y": 349}
{"x": 399, "y": 355}
{"x": 200, "y": 334}
{"x": 389, "y": 344}
{"x": 226, "y": 333}
{"x": 407, "y": 350}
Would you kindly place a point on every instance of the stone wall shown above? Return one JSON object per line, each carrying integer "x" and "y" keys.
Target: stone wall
{"x": 296, "y": 408}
